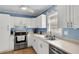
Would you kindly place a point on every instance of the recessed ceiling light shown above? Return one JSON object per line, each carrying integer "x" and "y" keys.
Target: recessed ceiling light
{"x": 24, "y": 8}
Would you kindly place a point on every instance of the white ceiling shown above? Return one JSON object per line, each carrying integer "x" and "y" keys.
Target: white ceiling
{"x": 38, "y": 9}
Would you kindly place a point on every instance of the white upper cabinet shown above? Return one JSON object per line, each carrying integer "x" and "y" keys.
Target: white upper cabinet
{"x": 68, "y": 16}
{"x": 76, "y": 16}
{"x": 40, "y": 21}
{"x": 63, "y": 13}
{"x": 32, "y": 23}
{"x": 20, "y": 21}
{"x": 17, "y": 21}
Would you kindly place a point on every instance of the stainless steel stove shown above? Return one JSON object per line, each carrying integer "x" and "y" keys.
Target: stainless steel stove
{"x": 20, "y": 40}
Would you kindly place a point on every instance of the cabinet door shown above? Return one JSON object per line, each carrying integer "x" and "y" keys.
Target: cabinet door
{"x": 29, "y": 40}
{"x": 52, "y": 22}
{"x": 69, "y": 16}
{"x": 43, "y": 47}
{"x": 11, "y": 22}
{"x": 11, "y": 42}
{"x": 41, "y": 21}
{"x": 38, "y": 22}
{"x": 17, "y": 21}
{"x": 76, "y": 16}
{"x": 72, "y": 16}
{"x": 64, "y": 16}
{"x": 32, "y": 23}
{"x": 39, "y": 46}
{"x": 35, "y": 43}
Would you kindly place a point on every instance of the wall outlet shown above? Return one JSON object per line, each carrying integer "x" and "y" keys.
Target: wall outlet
{"x": 65, "y": 32}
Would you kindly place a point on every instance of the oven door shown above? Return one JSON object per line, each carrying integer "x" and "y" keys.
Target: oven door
{"x": 20, "y": 39}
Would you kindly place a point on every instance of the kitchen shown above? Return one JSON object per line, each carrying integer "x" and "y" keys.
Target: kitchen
{"x": 39, "y": 29}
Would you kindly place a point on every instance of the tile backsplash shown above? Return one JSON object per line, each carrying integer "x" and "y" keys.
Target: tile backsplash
{"x": 71, "y": 33}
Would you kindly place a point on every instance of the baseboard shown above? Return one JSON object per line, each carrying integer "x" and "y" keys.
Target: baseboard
{"x": 2, "y": 52}
{"x": 34, "y": 50}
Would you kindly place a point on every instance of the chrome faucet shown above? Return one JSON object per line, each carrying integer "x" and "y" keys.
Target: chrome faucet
{"x": 50, "y": 36}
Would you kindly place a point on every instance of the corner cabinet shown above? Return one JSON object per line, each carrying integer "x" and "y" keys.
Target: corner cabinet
{"x": 68, "y": 16}
{"x": 41, "y": 21}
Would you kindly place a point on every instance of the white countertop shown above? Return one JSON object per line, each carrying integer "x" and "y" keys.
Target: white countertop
{"x": 67, "y": 46}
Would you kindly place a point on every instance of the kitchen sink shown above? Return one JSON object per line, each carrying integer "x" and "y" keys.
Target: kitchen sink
{"x": 50, "y": 37}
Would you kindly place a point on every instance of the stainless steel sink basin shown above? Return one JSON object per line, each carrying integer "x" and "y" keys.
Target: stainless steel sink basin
{"x": 50, "y": 37}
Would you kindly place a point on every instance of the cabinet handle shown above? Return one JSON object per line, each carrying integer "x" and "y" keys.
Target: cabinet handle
{"x": 71, "y": 24}
{"x": 8, "y": 27}
{"x": 41, "y": 45}
{"x": 34, "y": 40}
{"x": 67, "y": 24}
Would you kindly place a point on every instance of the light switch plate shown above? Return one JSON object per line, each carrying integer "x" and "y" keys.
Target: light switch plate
{"x": 65, "y": 32}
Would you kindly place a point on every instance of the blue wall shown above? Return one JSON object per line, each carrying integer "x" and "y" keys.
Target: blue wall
{"x": 72, "y": 33}
{"x": 29, "y": 29}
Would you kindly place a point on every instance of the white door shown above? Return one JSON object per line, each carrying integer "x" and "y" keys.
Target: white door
{"x": 4, "y": 32}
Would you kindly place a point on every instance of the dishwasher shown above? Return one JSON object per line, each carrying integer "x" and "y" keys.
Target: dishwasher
{"x": 55, "y": 50}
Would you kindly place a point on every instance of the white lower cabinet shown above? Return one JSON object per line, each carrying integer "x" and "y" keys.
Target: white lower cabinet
{"x": 29, "y": 40}
{"x": 43, "y": 47}
{"x": 35, "y": 44}
{"x": 40, "y": 46}
{"x": 11, "y": 43}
